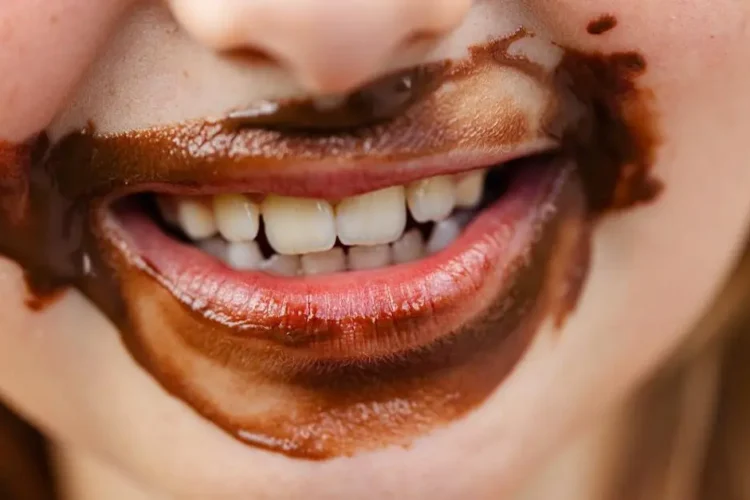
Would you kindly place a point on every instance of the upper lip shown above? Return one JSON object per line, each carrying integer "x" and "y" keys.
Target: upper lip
{"x": 205, "y": 157}
{"x": 184, "y": 160}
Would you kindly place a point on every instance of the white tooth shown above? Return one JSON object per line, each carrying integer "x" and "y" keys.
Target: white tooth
{"x": 469, "y": 189}
{"x": 431, "y": 199}
{"x": 369, "y": 257}
{"x": 196, "y": 217}
{"x": 298, "y": 225}
{"x": 443, "y": 234}
{"x": 244, "y": 256}
{"x": 372, "y": 218}
{"x": 168, "y": 209}
{"x": 215, "y": 247}
{"x": 282, "y": 265}
{"x": 410, "y": 247}
{"x": 237, "y": 217}
{"x": 330, "y": 261}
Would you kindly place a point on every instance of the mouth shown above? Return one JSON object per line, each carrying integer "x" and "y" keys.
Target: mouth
{"x": 356, "y": 279}
{"x": 286, "y": 319}
{"x": 324, "y": 292}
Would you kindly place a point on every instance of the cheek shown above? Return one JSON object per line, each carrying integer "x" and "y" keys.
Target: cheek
{"x": 658, "y": 267}
{"x": 690, "y": 35}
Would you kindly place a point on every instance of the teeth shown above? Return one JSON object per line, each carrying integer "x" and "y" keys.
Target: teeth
{"x": 373, "y": 218}
{"x": 431, "y": 199}
{"x": 331, "y": 261}
{"x": 469, "y": 189}
{"x": 216, "y": 247}
{"x": 244, "y": 256}
{"x": 443, "y": 234}
{"x": 237, "y": 217}
{"x": 298, "y": 225}
{"x": 360, "y": 258}
{"x": 168, "y": 209}
{"x": 282, "y": 265}
{"x": 303, "y": 231}
{"x": 196, "y": 217}
{"x": 410, "y": 247}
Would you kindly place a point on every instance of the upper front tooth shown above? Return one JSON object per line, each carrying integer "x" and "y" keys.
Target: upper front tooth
{"x": 237, "y": 217}
{"x": 431, "y": 199}
{"x": 196, "y": 217}
{"x": 373, "y": 218}
{"x": 298, "y": 225}
{"x": 469, "y": 189}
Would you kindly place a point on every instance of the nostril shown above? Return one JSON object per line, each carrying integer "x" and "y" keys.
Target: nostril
{"x": 421, "y": 38}
{"x": 378, "y": 101}
{"x": 250, "y": 56}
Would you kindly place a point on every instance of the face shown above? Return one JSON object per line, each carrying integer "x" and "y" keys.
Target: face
{"x": 274, "y": 244}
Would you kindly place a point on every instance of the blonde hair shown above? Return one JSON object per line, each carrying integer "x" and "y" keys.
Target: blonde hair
{"x": 688, "y": 434}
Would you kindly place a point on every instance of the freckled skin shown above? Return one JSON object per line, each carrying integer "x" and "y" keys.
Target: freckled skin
{"x": 638, "y": 303}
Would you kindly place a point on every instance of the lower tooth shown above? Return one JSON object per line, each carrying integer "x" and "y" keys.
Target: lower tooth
{"x": 281, "y": 265}
{"x": 410, "y": 247}
{"x": 244, "y": 256}
{"x": 361, "y": 258}
{"x": 443, "y": 234}
{"x": 330, "y": 261}
{"x": 216, "y": 247}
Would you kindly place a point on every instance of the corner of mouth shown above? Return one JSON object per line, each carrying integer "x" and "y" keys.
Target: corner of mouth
{"x": 348, "y": 279}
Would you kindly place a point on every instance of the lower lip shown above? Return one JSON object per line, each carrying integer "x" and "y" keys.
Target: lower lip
{"x": 359, "y": 316}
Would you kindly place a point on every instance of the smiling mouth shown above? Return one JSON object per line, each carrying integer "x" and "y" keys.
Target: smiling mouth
{"x": 324, "y": 290}
{"x": 365, "y": 278}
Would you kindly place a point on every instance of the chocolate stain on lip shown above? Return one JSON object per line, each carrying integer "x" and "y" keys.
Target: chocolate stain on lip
{"x": 48, "y": 226}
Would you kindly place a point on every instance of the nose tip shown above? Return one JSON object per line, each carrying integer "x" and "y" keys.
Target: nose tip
{"x": 329, "y": 46}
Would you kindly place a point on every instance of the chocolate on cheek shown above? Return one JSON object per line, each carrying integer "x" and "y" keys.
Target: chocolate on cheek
{"x": 602, "y": 24}
{"x": 49, "y": 223}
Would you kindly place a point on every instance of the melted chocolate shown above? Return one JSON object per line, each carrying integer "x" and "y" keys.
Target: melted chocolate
{"x": 614, "y": 140}
{"x": 602, "y": 24}
{"x": 52, "y": 224}
{"x": 382, "y": 100}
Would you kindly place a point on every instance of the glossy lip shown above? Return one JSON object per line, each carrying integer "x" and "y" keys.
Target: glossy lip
{"x": 359, "y": 317}
{"x": 333, "y": 178}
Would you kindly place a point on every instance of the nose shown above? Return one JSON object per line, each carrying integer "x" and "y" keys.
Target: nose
{"x": 329, "y": 46}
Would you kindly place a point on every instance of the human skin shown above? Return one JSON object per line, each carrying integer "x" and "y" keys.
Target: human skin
{"x": 654, "y": 268}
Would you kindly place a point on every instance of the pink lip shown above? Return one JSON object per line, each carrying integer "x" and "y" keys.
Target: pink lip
{"x": 363, "y": 315}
